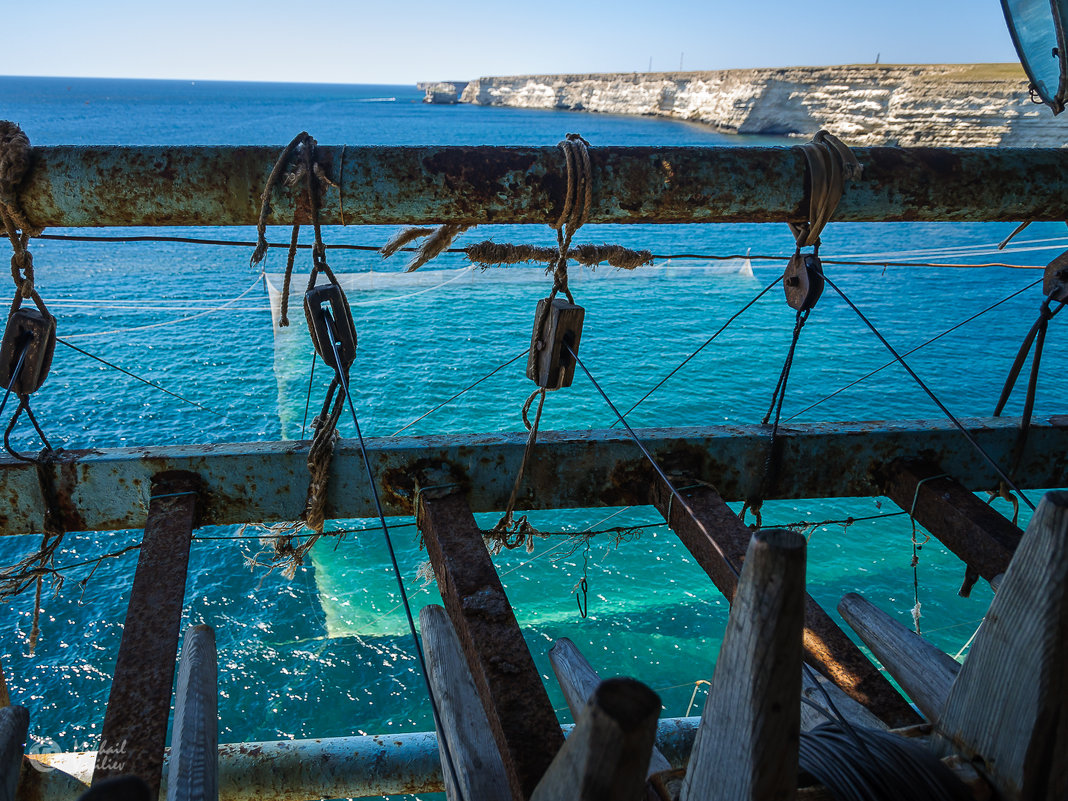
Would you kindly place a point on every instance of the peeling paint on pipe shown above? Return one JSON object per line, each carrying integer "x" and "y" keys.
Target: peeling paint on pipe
{"x": 297, "y": 770}
{"x": 79, "y": 186}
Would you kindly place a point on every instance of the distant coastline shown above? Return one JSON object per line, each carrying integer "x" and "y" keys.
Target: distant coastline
{"x": 974, "y": 105}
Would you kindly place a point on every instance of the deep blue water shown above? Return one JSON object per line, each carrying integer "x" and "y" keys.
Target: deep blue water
{"x": 327, "y": 654}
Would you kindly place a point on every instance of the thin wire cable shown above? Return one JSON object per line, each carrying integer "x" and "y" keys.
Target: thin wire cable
{"x": 307, "y": 401}
{"x": 169, "y": 322}
{"x": 930, "y": 341}
{"x": 15, "y": 375}
{"x": 62, "y": 341}
{"x": 686, "y": 507}
{"x": 392, "y": 553}
{"x": 444, "y": 403}
{"x": 660, "y": 256}
{"x": 960, "y": 427}
{"x": 706, "y": 343}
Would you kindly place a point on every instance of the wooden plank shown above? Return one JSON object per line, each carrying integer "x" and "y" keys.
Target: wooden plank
{"x": 1009, "y": 705}
{"x": 579, "y": 680}
{"x": 813, "y": 690}
{"x": 983, "y": 539}
{"x": 134, "y": 732}
{"x": 606, "y": 756}
{"x": 514, "y": 699}
{"x": 718, "y": 539}
{"x": 193, "y": 771}
{"x": 14, "y": 724}
{"x": 925, "y": 672}
{"x": 746, "y": 748}
{"x": 477, "y": 761}
{"x": 107, "y": 489}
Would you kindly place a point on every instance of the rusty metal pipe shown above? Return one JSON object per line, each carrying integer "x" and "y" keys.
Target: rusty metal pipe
{"x": 296, "y": 770}
{"x": 79, "y": 186}
{"x": 104, "y": 490}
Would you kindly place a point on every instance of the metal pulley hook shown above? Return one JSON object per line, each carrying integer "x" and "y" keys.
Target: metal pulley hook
{"x": 830, "y": 164}
{"x": 335, "y": 339}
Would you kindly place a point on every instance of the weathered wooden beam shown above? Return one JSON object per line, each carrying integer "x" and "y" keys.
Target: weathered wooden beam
{"x": 479, "y": 771}
{"x": 606, "y": 756}
{"x": 813, "y": 689}
{"x": 746, "y": 746}
{"x": 983, "y": 539}
{"x": 718, "y": 539}
{"x": 102, "y": 490}
{"x": 5, "y": 697}
{"x": 193, "y": 773}
{"x": 1009, "y": 704}
{"x": 134, "y": 732}
{"x": 513, "y": 697}
{"x": 84, "y": 186}
{"x": 579, "y": 680}
{"x": 14, "y": 724}
{"x": 924, "y": 671}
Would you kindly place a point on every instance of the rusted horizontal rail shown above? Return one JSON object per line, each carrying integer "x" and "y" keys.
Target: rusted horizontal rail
{"x": 103, "y": 490}
{"x": 330, "y": 767}
{"x": 80, "y": 186}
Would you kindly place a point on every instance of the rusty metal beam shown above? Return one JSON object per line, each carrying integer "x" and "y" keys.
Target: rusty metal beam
{"x": 328, "y": 767}
{"x": 983, "y": 539}
{"x": 517, "y": 706}
{"x": 101, "y": 490}
{"x": 718, "y": 540}
{"x": 80, "y": 186}
{"x": 134, "y": 733}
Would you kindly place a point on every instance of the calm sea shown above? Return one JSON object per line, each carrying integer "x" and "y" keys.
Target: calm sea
{"x": 327, "y": 654}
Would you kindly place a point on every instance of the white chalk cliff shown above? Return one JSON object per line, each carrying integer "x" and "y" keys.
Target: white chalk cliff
{"x": 975, "y": 105}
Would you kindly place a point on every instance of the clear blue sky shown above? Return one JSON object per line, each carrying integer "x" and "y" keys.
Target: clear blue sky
{"x": 402, "y": 42}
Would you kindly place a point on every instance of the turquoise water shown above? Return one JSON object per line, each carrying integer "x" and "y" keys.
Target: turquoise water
{"x": 327, "y": 654}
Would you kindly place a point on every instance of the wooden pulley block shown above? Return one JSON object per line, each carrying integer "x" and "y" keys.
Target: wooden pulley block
{"x": 328, "y": 301}
{"x": 1055, "y": 281}
{"x": 29, "y": 331}
{"x": 803, "y": 280}
{"x": 556, "y": 323}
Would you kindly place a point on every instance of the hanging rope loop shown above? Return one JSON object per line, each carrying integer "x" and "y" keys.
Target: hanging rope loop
{"x": 578, "y": 197}
{"x": 830, "y": 164}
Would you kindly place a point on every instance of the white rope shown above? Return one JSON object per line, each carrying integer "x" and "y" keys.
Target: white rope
{"x": 175, "y": 321}
{"x": 461, "y": 273}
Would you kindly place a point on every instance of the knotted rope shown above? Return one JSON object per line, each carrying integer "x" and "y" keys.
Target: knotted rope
{"x": 493, "y": 254}
{"x": 577, "y": 200}
{"x": 830, "y": 164}
{"x": 302, "y": 153}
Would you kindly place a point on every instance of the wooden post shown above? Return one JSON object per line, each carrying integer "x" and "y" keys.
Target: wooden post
{"x": 14, "y": 723}
{"x": 475, "y": 757}
{"x": 5, "y": 697}
{"x": 606, "y": 755}
{"x": 983, "y": 539}
{"x": 579, "y": 680}
{"x": 193, "y": 772}
{"x": 513, "y": 696}
{"x": 135, "y": 724}
{"x": 714, "y": 532}
{"x": 924, "y": 672}
{"x": 1009, "y": 705}
{"x": 746, "y": 746}
{"x": 849, "y": 709}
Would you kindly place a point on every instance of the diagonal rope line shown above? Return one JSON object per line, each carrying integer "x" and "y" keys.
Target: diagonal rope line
{"x": 444, "y": 403}
{"x": 392, "y": 555}
{"x": 846, "y": 725}
{"x": 62, "y": 341}
{"x": 930, "y": 341}
{"x": 919, "y": 381}
{"x": 706, "y": 343}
